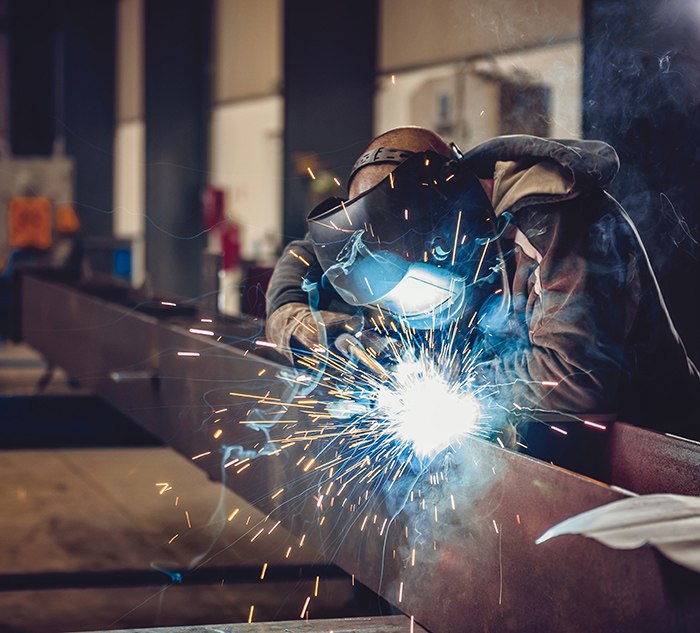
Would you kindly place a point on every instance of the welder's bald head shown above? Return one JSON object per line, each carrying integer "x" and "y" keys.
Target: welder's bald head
{"x": 410, "y": 139}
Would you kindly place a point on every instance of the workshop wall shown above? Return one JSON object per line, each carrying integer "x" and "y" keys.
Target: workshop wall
{"x": 177, "y": 90}
{"x": 246, "y": 121}
{"x": 435, "y": 31}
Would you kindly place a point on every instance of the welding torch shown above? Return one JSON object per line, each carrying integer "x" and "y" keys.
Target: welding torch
{"x": 351, "y": 347}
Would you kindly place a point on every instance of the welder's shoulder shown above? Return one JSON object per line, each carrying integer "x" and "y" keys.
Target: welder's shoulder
{"x": 590, "y": 162}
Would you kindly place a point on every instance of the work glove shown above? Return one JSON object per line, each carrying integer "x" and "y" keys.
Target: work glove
{"x": 294, "y": 326}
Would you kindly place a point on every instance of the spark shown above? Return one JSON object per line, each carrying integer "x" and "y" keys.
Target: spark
{"x": 194, "y": 330}
{"x": 258, "y": 533}
{"x": 299, "y": 257}
{"x": 311, "y": 173}
{"x": 316, "y": 587}
{"x": 168, "y": 303}
{"x": 233, "y": 514}
{"x": 481, "y": 261}
{"x": 454, "y": 248}
{"x": 262, "y": 343}
{"x": 558, "y": 430}
{"x": 309, "y": 465}
{"x": 595, "y": 425}
{"x": 201, "y": 455}
{"x": 187, "y": 516}
{"x": 262, "y": 573}
{"x": 172, "y": 539}
{"x": 306, "y": 604}
{"x": 188, "y": 353}
{"x": 250, "y": 614}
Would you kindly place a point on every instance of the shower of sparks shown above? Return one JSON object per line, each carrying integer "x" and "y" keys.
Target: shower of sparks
{"x": 353, "y": 431}
{"x": 359, "y": 431}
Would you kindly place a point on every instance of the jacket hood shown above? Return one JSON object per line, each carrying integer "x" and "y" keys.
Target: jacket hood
{"x": 528, "y": 169}
{"x": 595, "y": 163}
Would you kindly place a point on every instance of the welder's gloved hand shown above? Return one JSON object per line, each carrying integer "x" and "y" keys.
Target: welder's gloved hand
{"x": 295, "y": 326}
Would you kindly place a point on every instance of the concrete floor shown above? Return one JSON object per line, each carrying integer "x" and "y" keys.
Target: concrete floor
{"x": 84, "y": 533}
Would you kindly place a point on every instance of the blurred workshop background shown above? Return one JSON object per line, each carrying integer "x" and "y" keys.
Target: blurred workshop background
{"x": 173, "y": 147}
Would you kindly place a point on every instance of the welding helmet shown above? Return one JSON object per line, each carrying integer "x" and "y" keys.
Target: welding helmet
{"x": 420, "y": 244}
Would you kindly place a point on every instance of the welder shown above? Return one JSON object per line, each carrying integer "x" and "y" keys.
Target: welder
{"x": 518, "y": 232}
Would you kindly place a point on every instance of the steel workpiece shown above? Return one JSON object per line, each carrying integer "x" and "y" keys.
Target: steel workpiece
{"x": 475, "y": 567}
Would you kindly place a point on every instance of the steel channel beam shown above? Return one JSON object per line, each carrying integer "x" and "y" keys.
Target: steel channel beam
{"x": 476, "y": 567}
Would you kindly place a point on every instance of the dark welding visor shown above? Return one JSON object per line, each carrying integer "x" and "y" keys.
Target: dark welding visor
{"x": 416, "y": 244}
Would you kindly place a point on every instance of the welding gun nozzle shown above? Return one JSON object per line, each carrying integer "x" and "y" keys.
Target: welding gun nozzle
{"x": 350, "y": 346}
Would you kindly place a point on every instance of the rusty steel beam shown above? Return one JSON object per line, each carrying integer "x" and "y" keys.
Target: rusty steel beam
{"x": 460, "y": 553}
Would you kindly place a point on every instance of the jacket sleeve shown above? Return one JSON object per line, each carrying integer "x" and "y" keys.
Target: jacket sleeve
{"x": 563, "y": 348}
{"x": 294, "y": 265}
